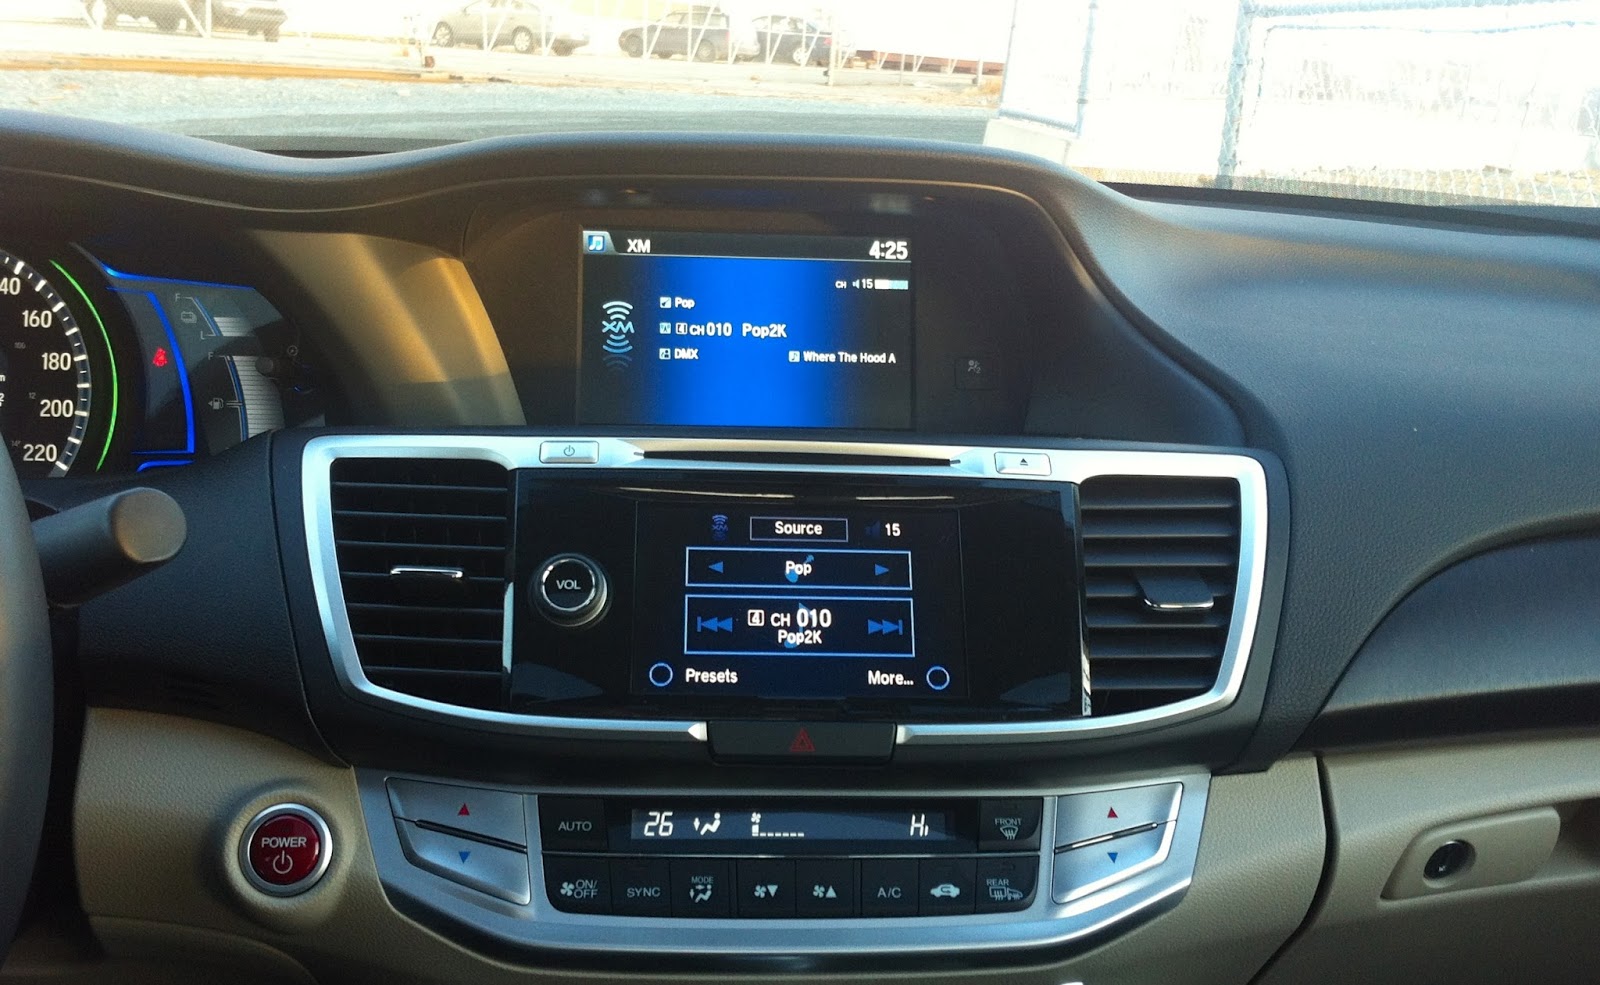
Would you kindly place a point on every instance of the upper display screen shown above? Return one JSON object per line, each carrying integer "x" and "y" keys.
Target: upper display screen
{"x": 745, "y": 330}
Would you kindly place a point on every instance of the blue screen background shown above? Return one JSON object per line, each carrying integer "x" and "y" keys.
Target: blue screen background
{"x": 745, "y": 381}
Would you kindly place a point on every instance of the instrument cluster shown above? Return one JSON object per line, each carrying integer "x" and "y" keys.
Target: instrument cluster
{"x": 105, "y": 370}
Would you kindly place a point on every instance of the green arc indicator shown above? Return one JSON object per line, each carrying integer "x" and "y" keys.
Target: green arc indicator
{"x": 111, "y": 426}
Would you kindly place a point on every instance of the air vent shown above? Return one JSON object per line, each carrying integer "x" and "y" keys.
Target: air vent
{"x": 422, "y": 548}
{"x": 1161, "y": 559}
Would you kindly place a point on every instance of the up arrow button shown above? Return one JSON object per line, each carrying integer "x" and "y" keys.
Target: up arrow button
{"x": 494, "y": 814}
{"x": 1022, "y": 463}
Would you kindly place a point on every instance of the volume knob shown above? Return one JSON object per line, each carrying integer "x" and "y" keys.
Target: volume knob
{"x": 570, "y": 590}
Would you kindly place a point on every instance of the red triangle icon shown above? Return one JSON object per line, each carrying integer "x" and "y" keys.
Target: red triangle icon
{"x": 1112, "y": 812}
{"x": 802, "y": 742}
{"x": 463, "y": 812}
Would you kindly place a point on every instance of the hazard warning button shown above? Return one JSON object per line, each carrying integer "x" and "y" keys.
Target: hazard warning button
{"x": 801, "y": 742}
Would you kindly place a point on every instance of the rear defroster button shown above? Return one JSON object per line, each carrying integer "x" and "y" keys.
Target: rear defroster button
{"x": 285, "y": 850}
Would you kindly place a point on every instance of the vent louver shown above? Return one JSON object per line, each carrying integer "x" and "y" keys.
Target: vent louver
{"x": 428, "y": 632}
{"x": 1161, "y": 560}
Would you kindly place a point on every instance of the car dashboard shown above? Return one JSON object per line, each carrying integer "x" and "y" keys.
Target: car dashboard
{"x": 632, "y": 557}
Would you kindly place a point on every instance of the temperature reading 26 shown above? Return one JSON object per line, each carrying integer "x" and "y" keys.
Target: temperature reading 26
{"x": 658, "y": 825}
{"x": 889, "y": 249}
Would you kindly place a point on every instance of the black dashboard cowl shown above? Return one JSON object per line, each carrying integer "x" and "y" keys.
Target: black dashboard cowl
{"x": 1425, "y": 384}
{"x": 1504, "y": 640}
{"x": 207, "y": 635}
{"x": 1425, "y": 380}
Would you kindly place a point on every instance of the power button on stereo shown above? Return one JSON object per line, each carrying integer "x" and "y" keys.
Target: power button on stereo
{"x": 570, "y": 589}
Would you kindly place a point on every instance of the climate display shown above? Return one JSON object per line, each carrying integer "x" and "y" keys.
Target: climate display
{"x": 749, "y": 330}
{"x": 731, "y": 828}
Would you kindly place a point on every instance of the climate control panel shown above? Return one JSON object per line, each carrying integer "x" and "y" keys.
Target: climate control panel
{"x": 812, "y": 859}
{"x": 738, "y": 874}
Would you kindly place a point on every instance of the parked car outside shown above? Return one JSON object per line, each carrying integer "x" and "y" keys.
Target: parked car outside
{"x": 526, "y": 27}
{"x": 792, "y": 39}
{"x": 703, "y": 33}
{"x": 263, "y": 17}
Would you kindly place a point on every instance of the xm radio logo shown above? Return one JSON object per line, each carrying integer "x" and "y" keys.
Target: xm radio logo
{"x": 618, "y": 330}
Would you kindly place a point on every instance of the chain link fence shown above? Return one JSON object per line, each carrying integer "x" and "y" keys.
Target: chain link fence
{"x": 1423, "y": 100}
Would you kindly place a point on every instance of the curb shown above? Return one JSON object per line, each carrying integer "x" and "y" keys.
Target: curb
{"x": 194, "y": 66}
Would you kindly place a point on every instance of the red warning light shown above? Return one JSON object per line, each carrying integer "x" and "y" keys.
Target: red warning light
{"x": 160, "y": 359}
{"x": 802, "y": 742}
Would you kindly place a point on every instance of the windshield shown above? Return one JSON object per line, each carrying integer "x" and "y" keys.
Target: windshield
{"x": 1424, "y": 101}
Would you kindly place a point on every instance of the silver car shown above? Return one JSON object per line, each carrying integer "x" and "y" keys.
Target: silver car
{"x": 524, "y": 26}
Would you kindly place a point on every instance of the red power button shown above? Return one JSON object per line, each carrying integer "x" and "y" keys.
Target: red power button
{"x": 285, "y": 850}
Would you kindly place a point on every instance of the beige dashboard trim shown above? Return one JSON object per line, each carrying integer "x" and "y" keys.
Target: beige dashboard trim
{"x": 1523, "y": 912}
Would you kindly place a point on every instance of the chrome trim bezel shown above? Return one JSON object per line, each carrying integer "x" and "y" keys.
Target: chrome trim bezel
{"x": 591, "y": 608}
{"x": 964, "y": 462}
{"x": 1084, "y": 920}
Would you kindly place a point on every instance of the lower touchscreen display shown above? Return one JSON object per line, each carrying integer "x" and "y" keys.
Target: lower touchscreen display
{"x": 813, "y": 603}
{"x": 745, "y": 330}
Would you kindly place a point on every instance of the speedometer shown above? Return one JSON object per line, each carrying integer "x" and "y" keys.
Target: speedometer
{"x": 45, "y": 380}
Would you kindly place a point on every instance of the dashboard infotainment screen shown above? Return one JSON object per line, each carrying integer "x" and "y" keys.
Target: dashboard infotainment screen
{"x": 762, "y": 594}
{"x": 808, "y": 603}
{"x": 745, "y": 330}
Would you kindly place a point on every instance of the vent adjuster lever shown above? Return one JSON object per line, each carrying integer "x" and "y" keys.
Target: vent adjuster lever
{"x": 1168, "y": 592}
